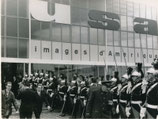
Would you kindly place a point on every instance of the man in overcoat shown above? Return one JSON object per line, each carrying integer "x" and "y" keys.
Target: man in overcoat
{"x": 99, "y": 104}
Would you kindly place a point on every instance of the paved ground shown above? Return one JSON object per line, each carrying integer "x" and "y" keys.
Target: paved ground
{"x": 45, "y": 115}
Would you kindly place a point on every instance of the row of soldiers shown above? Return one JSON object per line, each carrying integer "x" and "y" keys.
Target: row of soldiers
{"x": 134, "y": 95}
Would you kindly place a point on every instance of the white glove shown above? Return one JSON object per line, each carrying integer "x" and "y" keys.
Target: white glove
{"x": 74, "y": 100}
{"x": 16, "y": 112}
{"x": 84, "y": 102}
{"x": 51, "y": 95}
{"x": 64, "y": 97}
{"x": 48, "y": 107}
{"x": 142, "y": 112}
{"x": 117, "y": 109}
{"x": 157, "y": 117}
{"x": 128, "y": 111}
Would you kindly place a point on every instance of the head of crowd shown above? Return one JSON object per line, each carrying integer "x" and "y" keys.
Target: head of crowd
{"x": 132, "y": 74}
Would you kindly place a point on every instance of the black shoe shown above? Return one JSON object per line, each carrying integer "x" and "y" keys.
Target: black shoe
{"x": 62, "y": 115}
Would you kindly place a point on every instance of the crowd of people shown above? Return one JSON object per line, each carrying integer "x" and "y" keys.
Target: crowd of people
{"x": 134, "y": 95}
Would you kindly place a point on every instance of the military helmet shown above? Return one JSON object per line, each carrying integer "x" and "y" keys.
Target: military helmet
{"x": 125, "y": 76}
{"x": 136, "y": 73}
{"x": 151, "y": 70}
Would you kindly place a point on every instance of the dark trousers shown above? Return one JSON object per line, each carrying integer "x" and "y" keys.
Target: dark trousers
{"x": 151, "y": 113}
{"x": 135, "y": 111}
{"x": 26, "y": 114}
{"x": 37, "y": 113}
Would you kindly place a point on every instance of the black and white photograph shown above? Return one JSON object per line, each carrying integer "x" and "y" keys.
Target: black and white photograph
{"x": 79, "y": 59}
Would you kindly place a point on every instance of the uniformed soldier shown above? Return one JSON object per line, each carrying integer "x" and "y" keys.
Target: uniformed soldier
{"x": 152, "y": 94}
{"x": 73, "y": 93}
{"x": 123, "y": 92}
{"x": 136, "y": 92}
{"x": 115, "y": 89}
{"x": 62, "y": 89}
{"x": 82, "y": 100}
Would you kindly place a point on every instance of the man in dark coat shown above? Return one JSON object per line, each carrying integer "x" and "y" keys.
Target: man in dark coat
{"x": 40, "y": 99}
{"x": 28, "y": 99}
{"x": 100, "y": 102}
{"x": 8, "y": 99}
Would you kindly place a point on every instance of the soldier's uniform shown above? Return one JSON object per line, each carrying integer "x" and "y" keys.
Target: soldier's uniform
{"x": 115, "y": 89}
{"x": 73, "y": 93}
{"x": 152, "y": 94}
{"x": 152, "y": 101}
{"x": 62, "y": 90}
{"x": 82, "y": 100}
{"x": 136, "y": 92}
{"x": 123, "y": 100}
{"x": 123, "y": 96}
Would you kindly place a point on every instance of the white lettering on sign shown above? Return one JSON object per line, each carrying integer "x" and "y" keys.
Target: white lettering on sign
{"x": 39, "y": 11}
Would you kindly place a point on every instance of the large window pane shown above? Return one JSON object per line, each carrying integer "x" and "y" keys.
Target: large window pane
{"x": 35, "y": 29}
{"x": 130, "y": 23}
{"x": 11, "y": 26}
{"x": 130, "y": 39}
{"x": 2, "y": 6}
{"x": 75, "y": 34}
{"x": 123, "y": 23}
{"x": 109, "y": 37}
{"x": 99, "y": 5}
{"x": 130, "y": 8}
{"x": 65, "y": 33}
{"x": 80, "y": 3}
{"x": 153, "y": 13}
{"x": 124, "y": 38}
{"x": 155, "y": 42}
{"x": 101, "y": 40}
{"x": 2, "y": 47}
{"x": 11, "y": 45}
{"x": 116, "y": 38}
{"x": 84, "y": 35}
{"x": 142, "y": 10}
{"x": 109, "y": 4}
{"x": 123, "y": 7}
{"x": 136, "y": 9}
{"x": 143, "y": 40}
{"x": 12, "y": 7}
{"x": 24, "y": 28}
{"x": 45, "y": 31}
{"x": 149, "y": 41}
{"x": 56, "y": 32}
{"x": 137, "y": 40}
{"x": 148, "y": 12}
{"x": 23, "y": 8}
{"x": 84, "y": 17}
{"x": 2, "y": 25}
{"x": 23, "y": 48}
{"x": 93, "y": 36}
{"x": 75, "y": 16}
{"x": 116, "y": 6}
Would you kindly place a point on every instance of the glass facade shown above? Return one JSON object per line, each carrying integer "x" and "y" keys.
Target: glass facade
{"x": 15, "y": 27}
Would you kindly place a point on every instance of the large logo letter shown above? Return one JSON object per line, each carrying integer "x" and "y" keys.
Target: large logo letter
{"x": 104, "y": 20}
{"x": 39, "y": 11}
{"x": 145, "y": 26}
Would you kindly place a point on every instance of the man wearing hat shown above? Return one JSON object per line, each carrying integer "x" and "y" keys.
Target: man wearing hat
{"x": 136, "y": 91}
{"x": 115, "y": 89}
{"x": 152, "y": 94}
{"x": 100, "y": 102}
{"x": 28, "y": 99}
{"x": 82, "y": 100}
{"x": 63, "y": 97}
{"x": 123, "y": 92}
